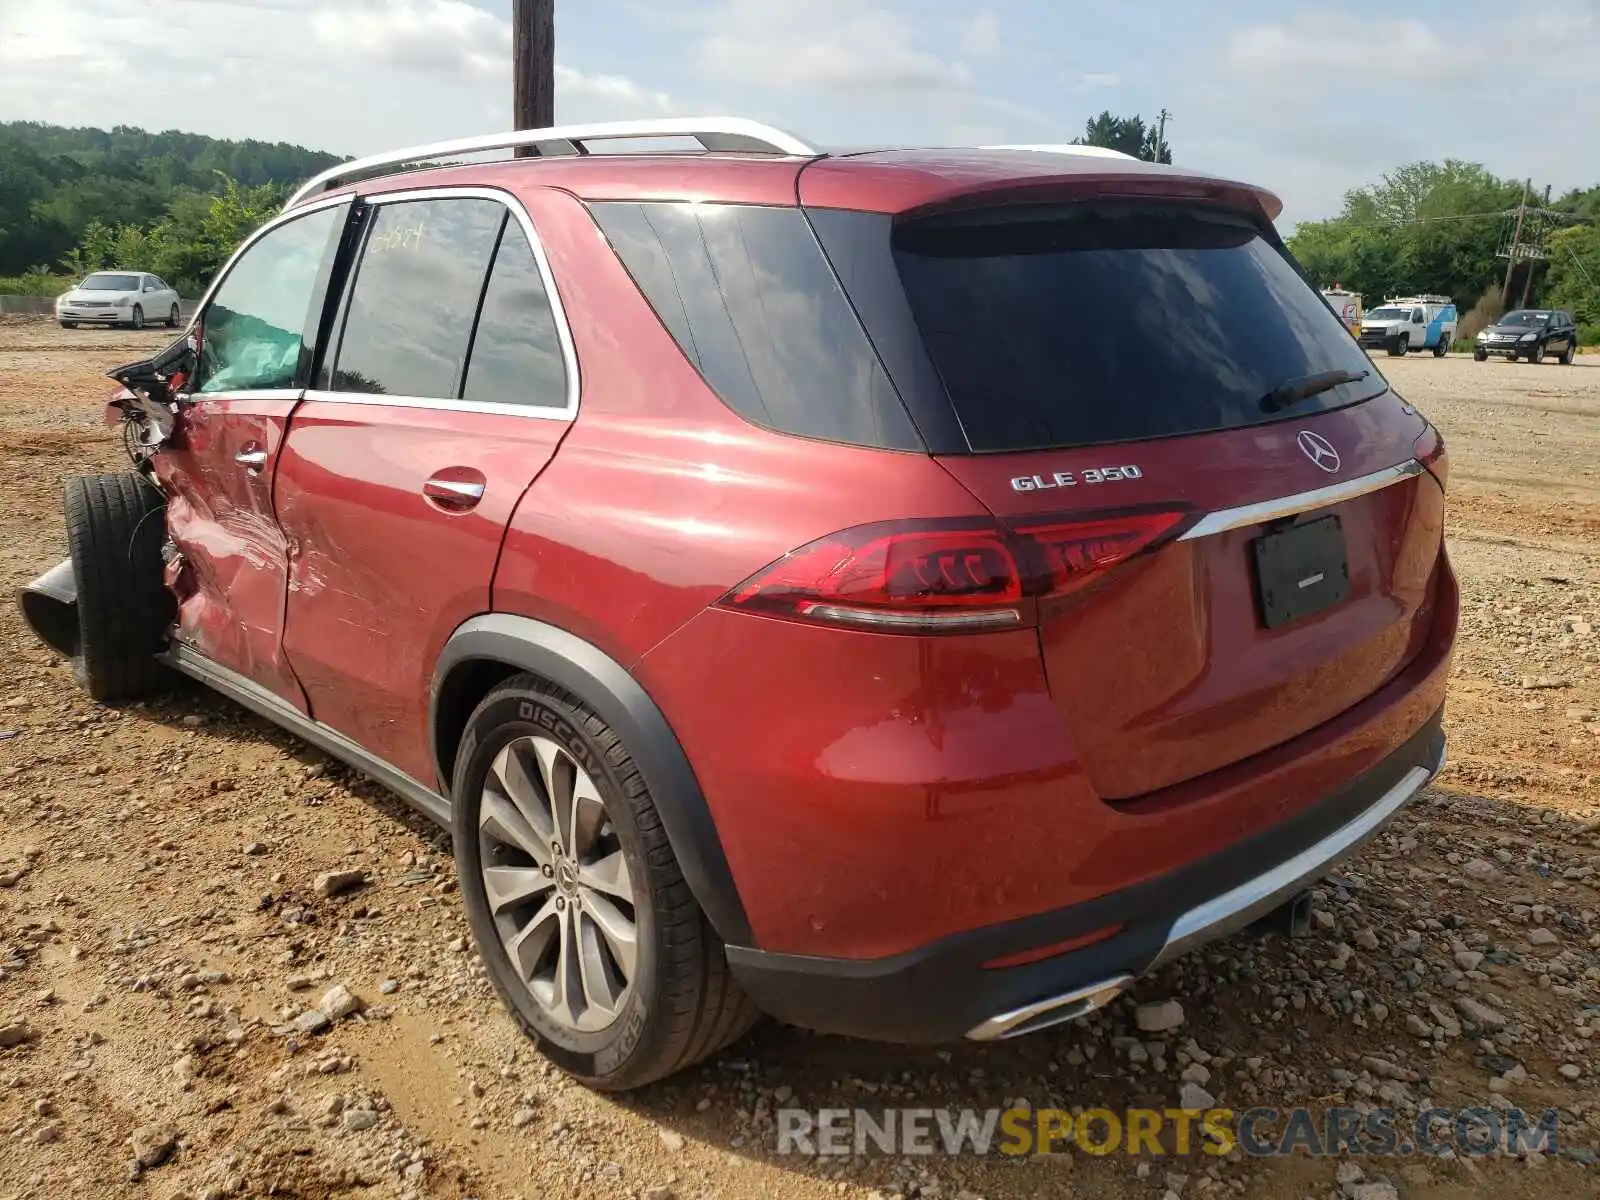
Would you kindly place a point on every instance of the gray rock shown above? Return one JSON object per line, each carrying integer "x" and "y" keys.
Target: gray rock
{"x": 1349, "y": 1174}
{"x": 1196, "y": 1073}
{"x": 339, "y": 1002}
{"x": 389, "y": 987}
{"x": 1378, "y": 1190}
{"x": 153, "y": 1144}
{"x": 1158, "y": 1017}
{"x": 1540, "y": 935}
{"x": 672, "y": 1140}
{"x": 1480, "y": 1014}
{"x": 521, "y": 1117}
{"x": 1193, "y": 1096}
{"x": 332, "y": 883}
{"x": 1367, "y": 939}
{"x": 313, "y": 1020}
{"x": 1569, "y": 1071}
{"x": 1468, "y": 960}
{"x": 358, "y": 1120}
{"x": 15, "y": 1034}
{"x": 47, "y": 1134}
{"x": 1478, "y": 868}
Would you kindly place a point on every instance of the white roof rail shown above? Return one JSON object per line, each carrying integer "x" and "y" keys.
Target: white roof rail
{"x": 1066, "y": 148}
{"x": 725, "y": 134}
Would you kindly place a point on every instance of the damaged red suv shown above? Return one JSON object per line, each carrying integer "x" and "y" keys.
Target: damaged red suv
{"x": 911, "y": 593}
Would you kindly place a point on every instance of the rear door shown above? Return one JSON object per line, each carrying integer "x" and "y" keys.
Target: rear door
{"x": 258, "y": 334}
{"x": 448, "y": 391}
{"x": 1111, "y": 363}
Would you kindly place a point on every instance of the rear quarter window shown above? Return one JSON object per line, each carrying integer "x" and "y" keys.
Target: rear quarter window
{"x": 750, "y": 299}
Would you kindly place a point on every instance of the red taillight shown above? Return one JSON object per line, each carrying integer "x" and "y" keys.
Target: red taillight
{"x": 962, "y": 575}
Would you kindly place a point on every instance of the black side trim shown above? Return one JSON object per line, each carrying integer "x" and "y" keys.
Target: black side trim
{"x": 939, "y": 991}
{"x": 605, "y": 685}
{"x": 327, "y": 739}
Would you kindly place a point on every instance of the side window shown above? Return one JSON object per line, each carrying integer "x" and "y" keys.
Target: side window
{"x": 253, "y": 330}
{"x": 516, "y": 352}
{"x": 416, "y": 292}
{"x": 751, "y": 301}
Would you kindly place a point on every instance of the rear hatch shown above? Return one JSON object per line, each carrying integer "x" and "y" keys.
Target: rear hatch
{"x": 1108, "y": 360}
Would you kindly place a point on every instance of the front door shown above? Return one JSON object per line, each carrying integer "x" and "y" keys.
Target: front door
{"x": 257, "y": 334}
{"x": 450, "y": 388}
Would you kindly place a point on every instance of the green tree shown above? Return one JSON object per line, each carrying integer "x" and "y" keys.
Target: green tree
{"x": 1130, "y": 135}
{"x": 1425, "y": 227}
{"x": 1574, "y": 279}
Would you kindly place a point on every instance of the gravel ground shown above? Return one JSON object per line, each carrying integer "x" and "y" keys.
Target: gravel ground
{"x": 166, "y": 936}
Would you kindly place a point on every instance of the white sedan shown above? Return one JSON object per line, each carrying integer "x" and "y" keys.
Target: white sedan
{"x": 129, "y": 298}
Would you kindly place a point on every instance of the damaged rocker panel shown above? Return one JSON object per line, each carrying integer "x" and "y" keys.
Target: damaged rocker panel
{"x": 264, "y": 703}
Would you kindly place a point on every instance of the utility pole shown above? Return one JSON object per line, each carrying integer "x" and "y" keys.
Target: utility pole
{"x": 1161, "y": 131}
{"x": 1516, "y": 244}
{"x": 533, "y": 62}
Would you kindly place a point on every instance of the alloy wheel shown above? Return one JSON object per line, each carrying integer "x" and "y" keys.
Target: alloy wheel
{"x": 557, "y": 883}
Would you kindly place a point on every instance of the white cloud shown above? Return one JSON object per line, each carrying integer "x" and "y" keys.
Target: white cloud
{"x": 821, "y": 45}
{"x": 1099, "y": 79}
{"x": 1317, "y": 103}
{"x": 1315, "y": 45}
{"x": 981, "y": 35}
{"x": 339, "y": 75}
{"x": 449, "y": 36}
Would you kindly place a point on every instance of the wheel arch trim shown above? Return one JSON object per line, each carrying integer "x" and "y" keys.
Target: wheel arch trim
{"x": 607, "y": 687}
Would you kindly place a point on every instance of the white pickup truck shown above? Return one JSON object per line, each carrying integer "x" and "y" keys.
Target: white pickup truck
{"x": 1411, "y": 323}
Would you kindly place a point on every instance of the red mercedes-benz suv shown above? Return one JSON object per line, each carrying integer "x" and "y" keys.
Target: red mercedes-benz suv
{"x": 909, "y": 592}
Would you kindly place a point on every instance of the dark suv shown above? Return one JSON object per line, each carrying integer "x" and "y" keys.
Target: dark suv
{"x": 794, "y": 588}
{"x": 1532, "y": 334}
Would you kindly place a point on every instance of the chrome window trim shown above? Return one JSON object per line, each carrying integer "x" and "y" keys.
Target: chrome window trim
{"x": 382, "y": 400}
{"x": 1289, "y": 506}
{"x": 193, "y": 398}
{"x": 569, "y": 352}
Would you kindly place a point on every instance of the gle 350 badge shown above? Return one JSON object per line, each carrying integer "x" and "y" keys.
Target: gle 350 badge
{"x": 1065, "y": 479}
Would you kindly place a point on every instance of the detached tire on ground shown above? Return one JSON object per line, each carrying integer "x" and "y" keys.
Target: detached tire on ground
{"x": 580, "y": 912}
{"x": 116, "y": 526}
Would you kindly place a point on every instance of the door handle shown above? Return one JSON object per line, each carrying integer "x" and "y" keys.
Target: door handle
{"x": 457, "y": 495}
{"x": 252, "y": 458}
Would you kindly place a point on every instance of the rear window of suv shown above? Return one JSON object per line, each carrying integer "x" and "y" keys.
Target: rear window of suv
{"x": 1070, "y": 325}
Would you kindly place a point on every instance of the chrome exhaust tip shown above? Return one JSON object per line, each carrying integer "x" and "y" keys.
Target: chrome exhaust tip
{"x": 1053, "y": 1010}
{"x": 50, "y": 606}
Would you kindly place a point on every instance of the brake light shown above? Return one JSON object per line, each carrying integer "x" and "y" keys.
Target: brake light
{"x": 1430, "y": 452}
{"x": 962, "y": 575}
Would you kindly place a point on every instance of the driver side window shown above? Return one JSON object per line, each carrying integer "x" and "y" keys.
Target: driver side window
{"x": 252, "y": 333}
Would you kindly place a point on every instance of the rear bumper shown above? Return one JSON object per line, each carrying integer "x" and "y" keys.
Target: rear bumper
{"x": 941, "y": 992}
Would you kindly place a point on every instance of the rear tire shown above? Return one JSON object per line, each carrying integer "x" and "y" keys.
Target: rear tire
{"x": 173, "y": 316}
{"x": 116, "y": 527}
{"x": 69, "y": 324}
{"x": 1570, "y": 354}
{"x": 1442, "y": 346}
{"x": 670, "y": 999}
{"x": 1480, "y": 355}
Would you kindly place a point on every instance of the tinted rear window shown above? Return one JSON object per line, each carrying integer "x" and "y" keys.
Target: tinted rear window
{"x": 1073, "y": 325}
{"x": 751, "y": 301}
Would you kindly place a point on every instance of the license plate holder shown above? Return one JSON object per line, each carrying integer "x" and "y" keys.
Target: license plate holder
{"x": 1300, "y": 570}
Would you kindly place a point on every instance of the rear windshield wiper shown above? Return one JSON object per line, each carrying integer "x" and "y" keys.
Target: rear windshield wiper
{"x": 1292, "y": 391}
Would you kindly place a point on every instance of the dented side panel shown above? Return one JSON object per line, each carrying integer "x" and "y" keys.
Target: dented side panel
{"x": 232, "y": 569}
{"x": 381, "y": 571}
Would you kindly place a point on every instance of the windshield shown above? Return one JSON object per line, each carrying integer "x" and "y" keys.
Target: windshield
{"x": 110, "y": 283}
{"x": 1042, "y": 323}
{"x": 1389, "y": 314}
{"x": 1524, "y": 318}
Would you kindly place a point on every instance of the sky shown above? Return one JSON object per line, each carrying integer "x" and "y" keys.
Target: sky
{"x": 1308, "y": 99}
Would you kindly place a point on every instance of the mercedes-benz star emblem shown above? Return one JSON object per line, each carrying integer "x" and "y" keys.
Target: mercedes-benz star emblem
{"x": 1319, "y": 450}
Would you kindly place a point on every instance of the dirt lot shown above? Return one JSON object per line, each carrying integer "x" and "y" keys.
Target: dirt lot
{"x": 160, "y": 924}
